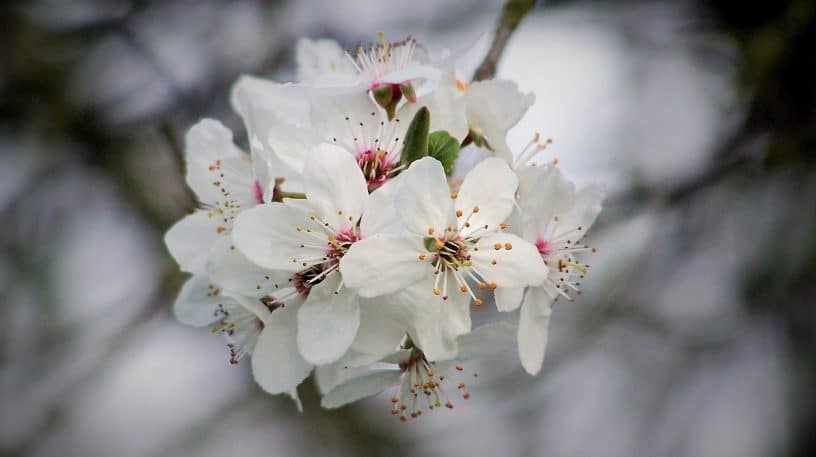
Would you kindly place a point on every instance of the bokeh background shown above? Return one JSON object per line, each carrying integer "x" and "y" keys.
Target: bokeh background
{"x": 695, "y": 335}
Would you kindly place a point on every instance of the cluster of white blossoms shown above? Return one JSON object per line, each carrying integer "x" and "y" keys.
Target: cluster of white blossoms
{"x": 379, "y": 203}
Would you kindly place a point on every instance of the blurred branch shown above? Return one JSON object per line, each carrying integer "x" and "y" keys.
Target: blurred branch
{"x": 512, "y": 14}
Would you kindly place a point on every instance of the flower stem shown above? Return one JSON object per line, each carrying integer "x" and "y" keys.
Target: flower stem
{"x": 512, "y": 14}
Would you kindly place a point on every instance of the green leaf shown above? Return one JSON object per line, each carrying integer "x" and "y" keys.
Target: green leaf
{"x": 444, "y": 148}
{"x": 416, "y": 138}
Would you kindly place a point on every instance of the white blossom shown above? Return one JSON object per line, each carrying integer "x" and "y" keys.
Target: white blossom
{"x": 555, "y": 217}
{"x": 459, "y": 241}
{"x": 309, "y": 238}
{"x": 225, "y": 182}
{"x": 421, "y": 384}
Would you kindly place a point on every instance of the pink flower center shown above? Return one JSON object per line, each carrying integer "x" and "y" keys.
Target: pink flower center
{"x": 258, "y": 192}
{"x": 544, "y": 248}
{"x": 376, "y": 166}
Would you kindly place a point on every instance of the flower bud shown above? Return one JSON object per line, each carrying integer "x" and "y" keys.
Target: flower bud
{"x": 387, "y": 96}
{"x": 408, "y": 91}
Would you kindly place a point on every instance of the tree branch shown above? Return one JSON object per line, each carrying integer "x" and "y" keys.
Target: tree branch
{"x": 512, "y": 14}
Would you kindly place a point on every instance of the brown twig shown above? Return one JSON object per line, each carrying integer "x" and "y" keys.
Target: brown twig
{"x": 512, "y": 14}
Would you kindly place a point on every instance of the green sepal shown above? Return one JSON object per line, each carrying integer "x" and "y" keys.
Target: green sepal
{"x": 444, "y": 148}
{"x": 416, "y": 138}
{"x": 387, "y": 96}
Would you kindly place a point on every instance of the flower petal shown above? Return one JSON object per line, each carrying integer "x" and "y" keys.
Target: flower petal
{"x": 487, "y": 196}
{"x": 317, "y": 57}
{"x": 361, "y": 387}
{"x": 437, "y": 323}
{"x": 508, "y": 298}
{"x": 268, "y": 235}
{"x": 216, "y": 165}
{"x": 488, "y": 339}
{"x": 327, "y": 322}
{"x": 582, "y": 213}
{"x": 379, "y": 212}
{"x": 533, "y": 328}
{"x": 412, "y": 72}
{"x": 276, "y": 363}
{"x": 383, "y": 324}
{"x": 288, "y": 148}
{"x": 263, "y": 103}
{"x": 191, "y": 239}
{"x": 543, "y": 193}
{"x": 423, "y": 201}
{"x": 349, "y": 119}
{"x": 494, "y": 107}
{"x": 335, "y": 186}
{"x": 383, "y": 264}
{"x": 197, "y": 301}
{"x": 447, "y": 111}
{"x": 233, "y": 271}
{"x": 520, "y": 265}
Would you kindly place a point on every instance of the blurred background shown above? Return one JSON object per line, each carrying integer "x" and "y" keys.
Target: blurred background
{"x": 695, "y": 335}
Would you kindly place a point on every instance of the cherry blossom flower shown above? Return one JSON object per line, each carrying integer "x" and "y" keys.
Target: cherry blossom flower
{"x": 420, "y": 384}
{"x": 554, "y": 217}
{"x": 225, "y": 182}
{"x": 447, "y": 247}
{"x": 308, "y": 238}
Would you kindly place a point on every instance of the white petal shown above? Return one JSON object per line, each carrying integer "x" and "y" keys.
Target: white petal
{"x": 533, "y": 327}
{"x": 494, "y": 107}
{"x": 207, "y": 143}
{"x": 332, "y": 374}
{"x": 380, "y": 213}
{"x": 263, "y": 103}
{"x": 582, "y": 213}
{"x": 490, "y": 187}
{"x": 191, "y": 239}
{"x": 276, "y": 363}
{"x": 383, "y": 324}
{"x": 197, "y": 301}
{"x": 423, "y": 201}
{"x": 412, "y": 72}
{"x": 327, "y": 322}
{"x": 335, "y": 186}
{"x": 447, "y": 111}
{"x": 508, "y": 298}
{"x": 383, "y": 264}
{"x": 489, "y": 339}
{"x": 267, "y": 235}
{"x": 350, "y": 119}
{"x": 233, "y": 271}
{"x": 437, "y": 323}
{"x": 543, "y": 193}
{"x": 358, "y": 388}
{"x": 318, "y": 57}
{"x": 516, "y": 267}
{"x": 288, "y": 149}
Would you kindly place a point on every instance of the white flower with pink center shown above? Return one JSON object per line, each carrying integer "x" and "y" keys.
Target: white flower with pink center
{"x": 390, "y": 64}
{"x": 447, "y": 247}
{"x": 357, "y": 125}
{"x": 225, "y": 181}
{"x": 555, "y": 217}
{"x": 308, "y": 238}
{"x": 418, "y": 384}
